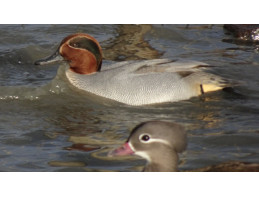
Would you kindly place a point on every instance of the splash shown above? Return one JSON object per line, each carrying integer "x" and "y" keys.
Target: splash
{"x": 57, "y": 86}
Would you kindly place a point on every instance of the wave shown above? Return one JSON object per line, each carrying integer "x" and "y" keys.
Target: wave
{"x": 56, "y": 86}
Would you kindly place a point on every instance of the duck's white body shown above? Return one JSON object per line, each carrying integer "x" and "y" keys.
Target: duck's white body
{"x": 146, "y": 82}
{"x": 132, "y": 82}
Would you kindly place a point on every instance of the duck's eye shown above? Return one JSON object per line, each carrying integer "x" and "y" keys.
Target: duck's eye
{"x": 75, "y": 44}
{"x": 145, "y": 138}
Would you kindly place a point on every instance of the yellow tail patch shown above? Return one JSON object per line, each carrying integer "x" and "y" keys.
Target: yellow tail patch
{"x": 210, "y": 87}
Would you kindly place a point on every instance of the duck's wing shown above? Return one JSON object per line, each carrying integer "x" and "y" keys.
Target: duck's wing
{"x": 189, "y": 72}
{"x": 116, "y": 65}
{"x": 192, "y": 72}
{"x": 157, "y": 65}
{"x": 168, "y": 65}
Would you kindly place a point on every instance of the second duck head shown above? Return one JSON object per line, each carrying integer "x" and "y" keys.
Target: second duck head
{"x": 159, "y": 142}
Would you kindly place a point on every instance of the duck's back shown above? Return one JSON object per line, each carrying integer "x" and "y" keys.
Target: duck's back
{"x": 145, "y": 82}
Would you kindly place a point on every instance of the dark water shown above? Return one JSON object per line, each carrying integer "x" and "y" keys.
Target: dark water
{"x": 46, "y": 125}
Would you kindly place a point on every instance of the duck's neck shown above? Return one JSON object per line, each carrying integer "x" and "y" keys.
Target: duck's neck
{"x": 84, "y": 66}
{"x": 165, "y": 161}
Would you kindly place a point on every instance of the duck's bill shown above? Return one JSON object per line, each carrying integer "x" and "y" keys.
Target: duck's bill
{"x": 51, "y": 59}
{"x": 125, "y": 149}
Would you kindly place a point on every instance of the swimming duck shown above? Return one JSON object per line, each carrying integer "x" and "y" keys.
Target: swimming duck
{"x": 132, "y": 82}
{"x": 159, "y": 142}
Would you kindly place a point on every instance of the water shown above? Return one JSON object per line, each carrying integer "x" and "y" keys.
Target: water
{"x": 47, "y": 125}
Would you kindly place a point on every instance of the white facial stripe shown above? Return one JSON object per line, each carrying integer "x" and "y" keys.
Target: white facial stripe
{"x": 158, "y": 140}
{"x": 140, "y": 153}
{"x": 132, "y": 148}
{"x": 150, "y": 140}
{"x": 143, "y": 155}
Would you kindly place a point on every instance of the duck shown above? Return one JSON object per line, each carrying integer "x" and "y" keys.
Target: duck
{"x": 136, "y": 83}
{"x": 160, "y": 142}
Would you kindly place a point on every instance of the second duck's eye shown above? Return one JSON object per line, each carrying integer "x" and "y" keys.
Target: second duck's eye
{"x": 145, "y": 138}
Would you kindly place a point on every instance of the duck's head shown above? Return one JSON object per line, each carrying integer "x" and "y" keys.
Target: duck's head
{"x": 156, "y": 141}
{"x": 82, "y": 51}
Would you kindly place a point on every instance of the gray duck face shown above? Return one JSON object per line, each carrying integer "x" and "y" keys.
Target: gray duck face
{"x": 156, "y": 141}
{"x": 146, "y": 134}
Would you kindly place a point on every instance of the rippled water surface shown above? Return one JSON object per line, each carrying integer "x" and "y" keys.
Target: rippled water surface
{"x": 47, "y": 125}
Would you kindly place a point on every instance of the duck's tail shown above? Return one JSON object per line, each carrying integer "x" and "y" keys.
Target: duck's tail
{"x": 209, "y": 82}
{"x": 209, "y": 88}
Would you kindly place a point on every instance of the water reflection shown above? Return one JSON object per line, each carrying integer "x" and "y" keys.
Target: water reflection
{"x": 130, "y": 44}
